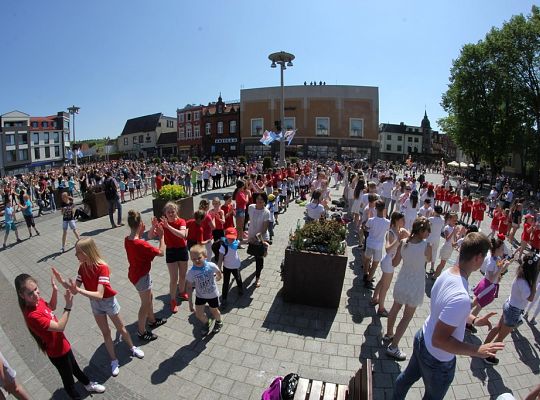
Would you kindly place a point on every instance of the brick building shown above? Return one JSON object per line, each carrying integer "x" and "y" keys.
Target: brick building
{"x": 189, "y": 130}
{"x": 221, "y": 124}
{"x": 332, "y": 121}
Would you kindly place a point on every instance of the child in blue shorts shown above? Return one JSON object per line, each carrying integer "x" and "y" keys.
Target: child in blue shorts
{"x": 10, "y": 219}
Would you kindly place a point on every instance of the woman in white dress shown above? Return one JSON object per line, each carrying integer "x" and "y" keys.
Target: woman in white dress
{"x": 357, "y": 202}
{"x": 410, "y": 208}
{"x": 410, "y": 284}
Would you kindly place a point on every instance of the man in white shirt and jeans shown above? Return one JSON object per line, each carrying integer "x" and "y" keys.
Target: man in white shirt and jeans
{"x": 441, "y": 338}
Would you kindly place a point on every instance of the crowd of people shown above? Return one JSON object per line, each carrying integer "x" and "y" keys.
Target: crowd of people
{"x": 399, "y": 218}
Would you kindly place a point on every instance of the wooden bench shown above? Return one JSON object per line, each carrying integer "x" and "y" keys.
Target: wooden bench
{"x": 360, "y": 387}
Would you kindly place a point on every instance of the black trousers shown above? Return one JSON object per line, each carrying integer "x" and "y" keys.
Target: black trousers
{"x": 67, "y": 367}
{"x": 206, "y": 183}
{"x": 227, "y": 279}
{"x": 259, "y": 264}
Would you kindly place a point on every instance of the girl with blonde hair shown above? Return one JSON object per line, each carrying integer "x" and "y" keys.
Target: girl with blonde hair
{"x": 94, "y": 275}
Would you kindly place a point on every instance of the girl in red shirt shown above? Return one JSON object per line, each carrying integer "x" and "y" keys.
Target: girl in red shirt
{"x": 526, "y": 235}
{"x": 195, "y": 229}
{"x": 495, "y": 222}
{"x": 535, "y": 237}
{"x": 228, "y": 211}
{"x": 176, "y": 253}
{"x": 240, "y": 196}
{"x": 466, "y": 208}
{"x": 218, "y": 218}
{"x": 505, "y": 223}
{"x": 140, "y": 254}
{"x": 48, "y": 332}
{"x": 478, "y": 210}
{"x": 207, "y": 227}
{"x": 94, "y": 274}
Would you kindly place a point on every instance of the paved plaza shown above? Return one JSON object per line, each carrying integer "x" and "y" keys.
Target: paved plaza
{"x": 262, "y": 336}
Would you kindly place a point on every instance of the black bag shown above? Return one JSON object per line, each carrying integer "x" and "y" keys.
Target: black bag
{"x": 255, "y": 250}
{"x": 288, "y": 386}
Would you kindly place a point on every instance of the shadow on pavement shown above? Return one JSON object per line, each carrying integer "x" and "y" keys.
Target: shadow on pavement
{"x": 95, "y": 232}
{"x": 183, "y": 356}
{"x": 526, "y": 351}
{"x": 50, "y": 257}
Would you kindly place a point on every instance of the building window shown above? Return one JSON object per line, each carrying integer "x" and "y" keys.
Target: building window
{"x": 46, "y": 137}
{"x": 35, "y": 138}
{"x": 10, "y": 140}
{"x": 141, "y": 138}
{"x": 181, "y": 132}
{"x": 196, "y": 115}
{"x": 409, "y": 139}
{"x": 220, "y": 127}
{"x": 23, "y": 138}
{"x": 188, "y": 115}
{"x": 34, "y": 124}
{"x": 415, "y": 140}
{"x": 388, "y": 147}
{"x": 232, "y": 126}
{"x": 356, "y": 127}
{"x": 56, "y": 137}
{"x": 208, "y": 128}
{"x": 399, "y": 138}
{"x": 47, "y": 152}
{"x": 257, "y": 125}
{"x": 388, "y": 137}
{"x": 66, "y": 137}
{"x": 399, "y": 147}
{"x": 37, "y": 153}
{"x": 148, "y": 138}
{"x": 323, "y": 126}
{"x": 290, "y": 123}
{"x": 134, "y": 139}
{"x": 126, "y": 141}
{"x": 181, "y": 117}
{"x": 54, "y": 124}
{"x": 57, "y": 151}
{"x": 188, "y": 131}
{"x": 197, "y": 131}
{"x": 11, "y": 155}
{"x": 44, "y": 124}
{"x": 23, "y": 154}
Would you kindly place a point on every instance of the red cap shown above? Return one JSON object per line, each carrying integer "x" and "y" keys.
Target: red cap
{"x": 501, "y": 236}
{"x": 529, "y": 216}
{"x": 231, "y": 233}
{"x": 430, "y": 186}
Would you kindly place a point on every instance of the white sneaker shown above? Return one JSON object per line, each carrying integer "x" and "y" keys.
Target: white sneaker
{"x": 396, "y": 353}
{"x": 94, "y": 387}
{"x": 137, "y": 352}
{"x": 115, "y": 368}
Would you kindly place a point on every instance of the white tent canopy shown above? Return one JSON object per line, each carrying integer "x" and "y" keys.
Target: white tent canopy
{"x": 453, "y": 164}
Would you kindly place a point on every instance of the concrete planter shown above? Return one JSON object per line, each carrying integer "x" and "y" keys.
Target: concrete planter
{"x": 313, "y": 279}
{"x": 99, "y": 206}
{"x": 185, "y": 207}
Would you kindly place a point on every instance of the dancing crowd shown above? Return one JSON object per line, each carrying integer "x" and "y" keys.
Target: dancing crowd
{"x": 399, "y": 220}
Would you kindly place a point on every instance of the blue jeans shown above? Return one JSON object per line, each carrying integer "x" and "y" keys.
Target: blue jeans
{"x": 112, "y": 204}
{"x": 437, "y": 375}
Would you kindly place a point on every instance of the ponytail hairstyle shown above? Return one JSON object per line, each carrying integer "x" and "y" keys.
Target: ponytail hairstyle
{"x": 528, "y": 270}
{"x": 239, "y": 184}
{"x": 134, "y": 219}
{"x": 360, "y": 185}
{"x": 420, "y": 224}
{"x": 495, "y": 244}
{"x": 204, "y": 205}
{"x": 20, "y": 285}
{"x": 395, "y": 217}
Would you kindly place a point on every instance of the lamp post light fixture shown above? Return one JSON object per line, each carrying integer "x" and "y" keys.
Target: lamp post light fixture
{"x": 74, "y": 110}
{"x": 284, "y": 60}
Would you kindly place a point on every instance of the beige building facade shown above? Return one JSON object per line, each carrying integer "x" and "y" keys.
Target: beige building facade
{"x": 331, "y": 121}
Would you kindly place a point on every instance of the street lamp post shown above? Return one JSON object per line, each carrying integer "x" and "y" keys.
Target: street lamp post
{"x": 74, "y": 110}
{"x": 284, "y": 60}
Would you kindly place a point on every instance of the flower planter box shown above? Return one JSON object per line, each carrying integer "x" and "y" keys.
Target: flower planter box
{"x": 313, "y": 279}
{"x": 99, "y": 206}
{"x": 185, "y": 207}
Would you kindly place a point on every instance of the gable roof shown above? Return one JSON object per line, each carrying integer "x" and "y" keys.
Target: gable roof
{"x": 167, "y": 138}
{"x": 147, "y": 123}
{"x": 15, "y": 114}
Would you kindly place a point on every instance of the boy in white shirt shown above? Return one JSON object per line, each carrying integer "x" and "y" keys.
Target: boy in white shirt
{"x": 434, "y": 238}
{"x": 426, "y": 210}
{"x": 229, "y": 263}
{"x": 376, "y": 227}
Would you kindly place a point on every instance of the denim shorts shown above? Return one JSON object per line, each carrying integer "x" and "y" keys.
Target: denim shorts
{"x": 511, "y": 315}
{"x": 70, "y": 224}
{"x": 108, "y": 306}
{"x": 144, "y": 284}
{"x": 240, "y": 213}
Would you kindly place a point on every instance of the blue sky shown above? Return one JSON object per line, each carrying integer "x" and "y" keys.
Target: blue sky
{"x": 119, "y": 59}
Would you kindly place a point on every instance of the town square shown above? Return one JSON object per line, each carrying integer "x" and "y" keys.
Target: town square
{"x": 263, "y": 234}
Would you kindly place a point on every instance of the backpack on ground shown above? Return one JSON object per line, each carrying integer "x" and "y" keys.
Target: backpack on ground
{"x": 273, "y": 392}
